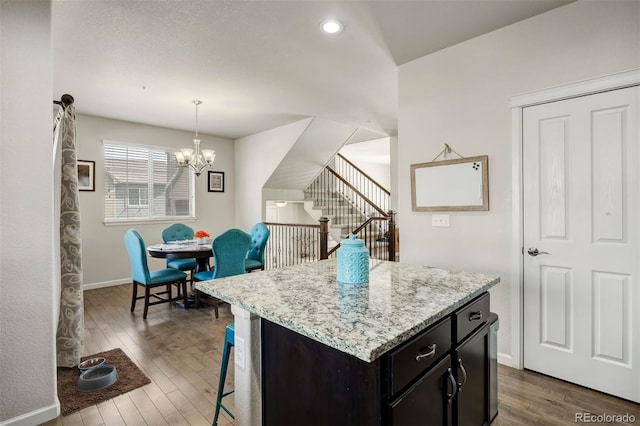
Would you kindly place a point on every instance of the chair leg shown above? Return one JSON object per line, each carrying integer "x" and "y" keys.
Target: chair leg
{"x": 146, "y": 301}
{"x": 134, "y": 295}
{"x": 184, "y": 293}
{"x": 215, "y": 306}
{"x": 223, "y": 377}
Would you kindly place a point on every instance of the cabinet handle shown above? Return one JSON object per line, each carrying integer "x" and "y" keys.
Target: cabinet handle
{"x": 464, "y": 375}
{"x": 453, "y": 385}
{"x": 432, "y": 352}
{"x": 477, "y": 315}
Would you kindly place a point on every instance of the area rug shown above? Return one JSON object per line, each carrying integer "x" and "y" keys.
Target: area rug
{"x": 129, "y": 378}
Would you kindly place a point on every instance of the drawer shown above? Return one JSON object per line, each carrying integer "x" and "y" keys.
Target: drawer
{"x": 470, "y": 317}
{"x": 418, "y": 354}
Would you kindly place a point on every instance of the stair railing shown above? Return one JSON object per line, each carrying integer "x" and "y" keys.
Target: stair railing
{"x": 368, "y": 187}
{"x": 359, "y": 206}
{"x": 341, "y": 201}
{"x": 290, "y": 244}
{"x": 378, "y": 234}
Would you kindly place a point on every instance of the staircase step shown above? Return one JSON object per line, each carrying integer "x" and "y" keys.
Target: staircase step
{"x": 348, "y": 219}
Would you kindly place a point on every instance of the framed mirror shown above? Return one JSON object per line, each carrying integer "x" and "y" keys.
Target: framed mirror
{"x": 461, "y": 184}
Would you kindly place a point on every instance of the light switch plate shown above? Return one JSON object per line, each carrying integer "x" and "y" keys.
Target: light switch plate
{"x": 440, "y": 220}
{"x": 239, "y": 350}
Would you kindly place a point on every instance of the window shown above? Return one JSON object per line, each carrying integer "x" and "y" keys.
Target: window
{"x": 138, "y": 196}
{"x": 145, "y": 183}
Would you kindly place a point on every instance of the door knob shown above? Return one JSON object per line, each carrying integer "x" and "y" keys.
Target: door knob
{"x": 535, "y": 252}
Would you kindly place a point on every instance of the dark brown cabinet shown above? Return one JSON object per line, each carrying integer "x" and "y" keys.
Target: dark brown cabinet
{"x": 429, "y": 401}
{"x": 439, "y": 377}
{"x": 455, "y": 390}
{"x": 471, "y": 402}
{"x": 471, "y": 363}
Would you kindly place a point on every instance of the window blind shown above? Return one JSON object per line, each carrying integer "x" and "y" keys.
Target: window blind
{"x": 145, "y": 183}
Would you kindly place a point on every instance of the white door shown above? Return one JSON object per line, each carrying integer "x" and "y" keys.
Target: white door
{"x": 581, "y": 213}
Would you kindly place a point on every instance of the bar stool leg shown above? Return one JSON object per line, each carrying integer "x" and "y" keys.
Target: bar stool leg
{"x": 228, "y": 344}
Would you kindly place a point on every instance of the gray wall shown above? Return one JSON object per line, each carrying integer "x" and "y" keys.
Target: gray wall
{"x": 28, "y": 316}
{"x": 460, "y": 96}
{"x": 104, "y": 259}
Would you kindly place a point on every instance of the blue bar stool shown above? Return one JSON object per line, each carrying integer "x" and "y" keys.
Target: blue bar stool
{"x": 228, "y": 344}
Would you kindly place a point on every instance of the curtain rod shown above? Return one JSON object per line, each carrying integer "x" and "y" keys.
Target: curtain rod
{"x": 65, "y": 101}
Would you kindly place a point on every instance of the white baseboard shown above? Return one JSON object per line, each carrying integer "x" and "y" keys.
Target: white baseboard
{"x": 36, "y": 417}
{"x": 505, "y": 359}
{"x": 106, "y": 284}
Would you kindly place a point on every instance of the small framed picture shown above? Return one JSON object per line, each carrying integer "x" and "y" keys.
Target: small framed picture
{"x": 216, "y": 182}
{"x": 86, "y": 175}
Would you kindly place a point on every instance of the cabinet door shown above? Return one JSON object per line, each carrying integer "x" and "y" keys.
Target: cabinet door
{"x": 430, "y": 401}
{"x": 472, "y": 375}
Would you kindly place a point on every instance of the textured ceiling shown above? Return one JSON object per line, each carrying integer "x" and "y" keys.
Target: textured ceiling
{"x": 256, "y": 65}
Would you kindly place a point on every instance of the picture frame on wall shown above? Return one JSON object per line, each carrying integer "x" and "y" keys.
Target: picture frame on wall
{"x": 86, "y": 175}
{"x": 216, "y": 182}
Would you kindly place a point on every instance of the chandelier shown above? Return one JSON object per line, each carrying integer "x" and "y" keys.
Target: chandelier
{"x": 194, "y": 158}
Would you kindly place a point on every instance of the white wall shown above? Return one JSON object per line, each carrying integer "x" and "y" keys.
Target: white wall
{"x": 460, "y": 96}
{"x": 293, "y": 212}
{"x": 104, "y": 258}
{"x": 27, "y": 313}
{"x": 256, "y": 157}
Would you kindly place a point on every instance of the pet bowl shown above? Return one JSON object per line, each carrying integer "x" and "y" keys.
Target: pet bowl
{"x": 91, "y": 363}
{"x": 97, "y": 378}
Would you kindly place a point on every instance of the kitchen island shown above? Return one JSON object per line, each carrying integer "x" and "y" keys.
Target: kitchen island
{"x": 304, "y": 310}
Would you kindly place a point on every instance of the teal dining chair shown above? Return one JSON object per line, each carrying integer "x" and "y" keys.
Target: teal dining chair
{"x": 180, "y": 232}
{"x": 141, "y": 276}
{"x": 229, "y": 252}
{"x": 259, "y": 237}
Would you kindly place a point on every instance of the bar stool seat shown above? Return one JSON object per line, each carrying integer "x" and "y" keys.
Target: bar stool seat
{"x": 229, "y": 341}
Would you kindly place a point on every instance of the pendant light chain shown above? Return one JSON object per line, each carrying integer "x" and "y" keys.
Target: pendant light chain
{"x": 197, "y": 103}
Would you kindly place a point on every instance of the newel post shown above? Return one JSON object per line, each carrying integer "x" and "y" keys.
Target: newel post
{"x": 324, "y": 237}
{"x": 392, "y": 235}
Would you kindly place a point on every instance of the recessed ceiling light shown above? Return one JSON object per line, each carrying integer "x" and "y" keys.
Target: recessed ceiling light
{"x": 332, "y": 26}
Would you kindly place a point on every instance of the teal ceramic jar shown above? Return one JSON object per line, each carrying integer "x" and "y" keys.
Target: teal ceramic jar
{"x": 353, "y": 261}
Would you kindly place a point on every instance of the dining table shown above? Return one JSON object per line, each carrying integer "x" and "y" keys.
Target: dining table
{"x": 187, "y": 249}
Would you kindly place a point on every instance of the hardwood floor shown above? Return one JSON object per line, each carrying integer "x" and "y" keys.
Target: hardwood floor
{"x": 529, "y": 398}
{"x": 180, "y": 351}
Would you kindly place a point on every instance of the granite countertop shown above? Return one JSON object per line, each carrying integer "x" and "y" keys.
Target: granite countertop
{"x": 364, "y": 320}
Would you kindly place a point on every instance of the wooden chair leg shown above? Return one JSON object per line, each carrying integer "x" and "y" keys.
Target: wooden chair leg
{"x": 146, "y": 301}
{"x": 134, "y": 295}
{"x": 184, "y": 293}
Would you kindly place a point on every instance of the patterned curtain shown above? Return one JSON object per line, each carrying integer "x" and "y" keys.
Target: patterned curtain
{"x": 70, "y": 335}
